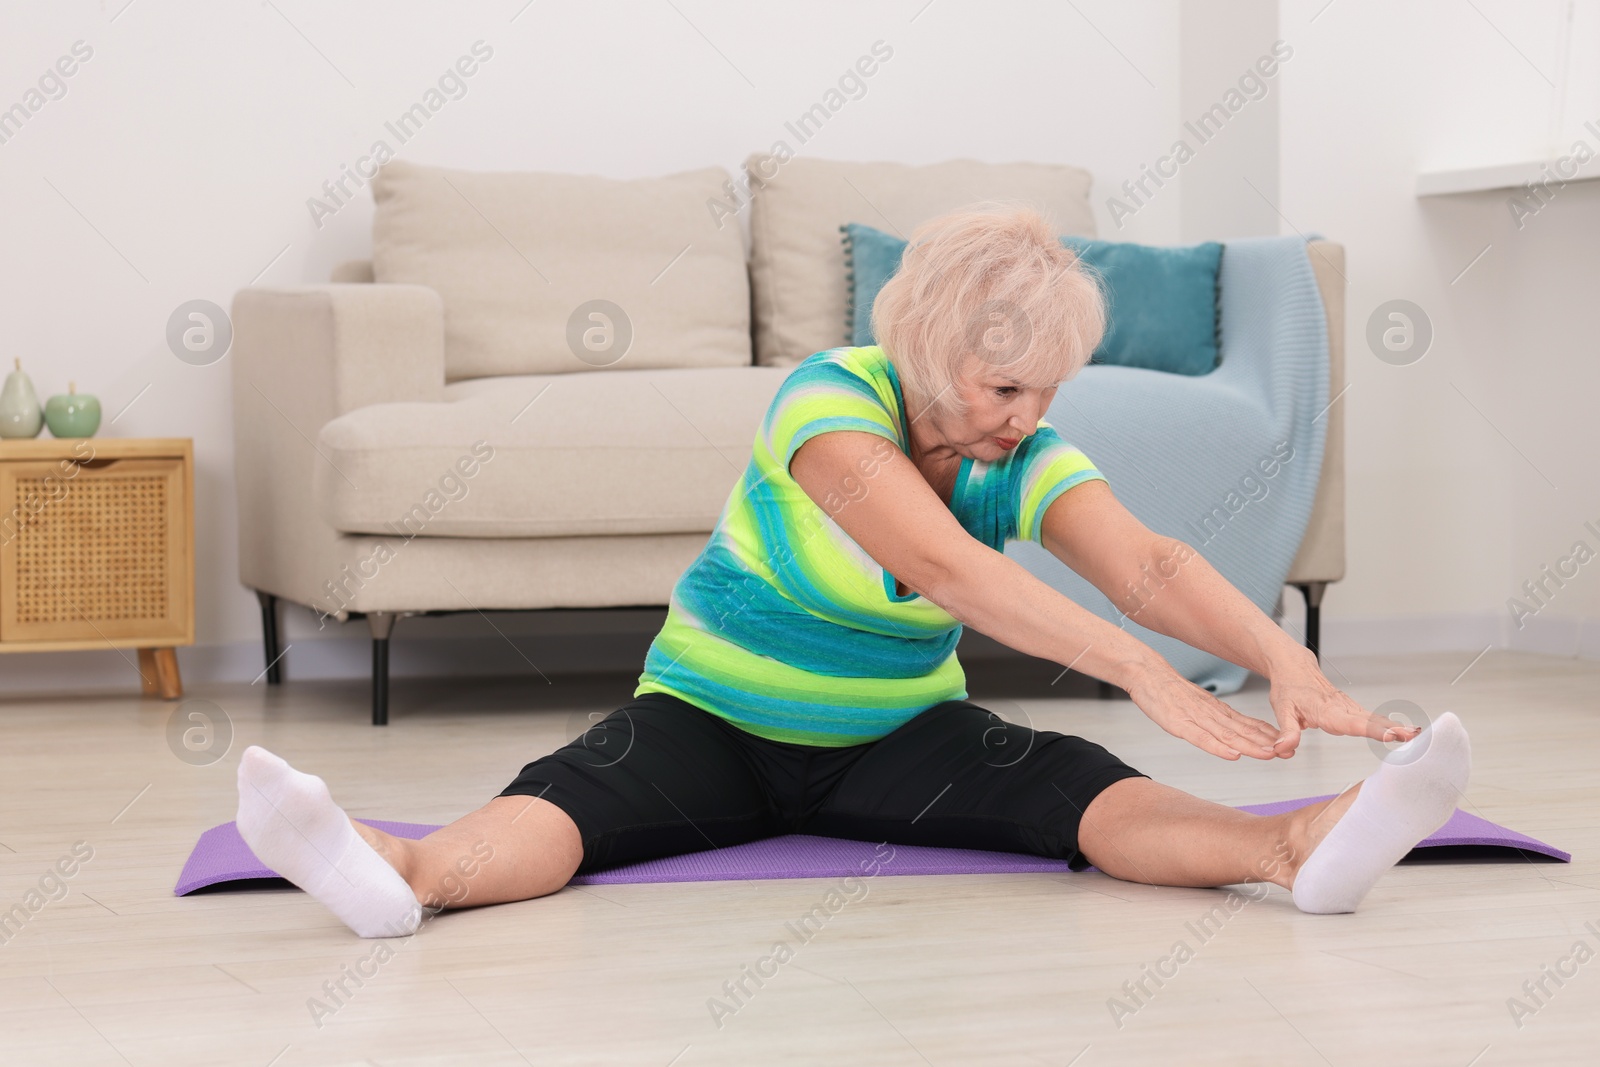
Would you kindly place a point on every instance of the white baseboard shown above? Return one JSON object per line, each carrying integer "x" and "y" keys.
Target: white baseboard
{"x": 1578, "y": 638}
{"x": 339, "y": 657}
{"x": 1409, "y": 634}
{"x": 619, "y": 644}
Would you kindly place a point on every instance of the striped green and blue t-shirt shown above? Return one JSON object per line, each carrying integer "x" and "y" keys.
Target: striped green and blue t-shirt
{"x": 787, "y": 628}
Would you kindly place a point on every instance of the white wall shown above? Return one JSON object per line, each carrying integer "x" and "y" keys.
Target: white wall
{"x": 180, "y": 160}
{"x": 1475, "y": 466}
{"x": 1229, "y": 187}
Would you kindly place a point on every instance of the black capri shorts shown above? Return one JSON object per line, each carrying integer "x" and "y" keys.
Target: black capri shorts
{"x": 660, "y": 776}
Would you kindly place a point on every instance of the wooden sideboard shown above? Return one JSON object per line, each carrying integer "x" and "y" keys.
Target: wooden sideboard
{"x": 97, "y": 549}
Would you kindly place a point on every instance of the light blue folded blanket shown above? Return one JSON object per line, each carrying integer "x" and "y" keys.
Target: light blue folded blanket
{"x": 1191, "y": 456}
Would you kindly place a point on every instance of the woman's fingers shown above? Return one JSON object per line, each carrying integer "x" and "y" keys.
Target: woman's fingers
{"x": 1202, "y": 738}
{"x": 1228, "y": 739}
{"x": 1352, "y": 720}
{"x": 1385, "y": 729}
{"x": 1244, "y": 733}
{"x": 1195, "y": 715}
{"x": 1241, "y": 742}
{"x": 1301, "y": 705}
{"x": 1259, "y": 731}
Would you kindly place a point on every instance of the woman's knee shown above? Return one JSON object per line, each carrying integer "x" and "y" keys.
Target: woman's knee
{"x": 513, "y": 848}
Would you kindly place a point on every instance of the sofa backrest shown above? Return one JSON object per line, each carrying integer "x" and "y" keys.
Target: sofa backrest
{"x": 551, "y": 273}
{"x": 352, "y": 272}
{"x": 797, "y": 271}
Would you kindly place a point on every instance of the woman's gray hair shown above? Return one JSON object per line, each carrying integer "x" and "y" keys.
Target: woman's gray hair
{"x": 994, "y": 282}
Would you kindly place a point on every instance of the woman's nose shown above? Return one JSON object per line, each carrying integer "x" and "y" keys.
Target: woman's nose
{"x": 1039, "y": 413}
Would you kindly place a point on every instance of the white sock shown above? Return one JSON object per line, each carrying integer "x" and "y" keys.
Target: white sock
{"x": 294, "y": 827}
{"x": 1412, "y": 794}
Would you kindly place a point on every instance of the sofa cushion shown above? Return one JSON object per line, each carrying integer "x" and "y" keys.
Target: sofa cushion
{"x": 595, "y": 452}
{"x": 797, "y": 274}
{"x": 1162, "y": 300}
{"x": 871, "y": 258}
{"x": 519, "y": 257}
{"x": 1164, "y": 303}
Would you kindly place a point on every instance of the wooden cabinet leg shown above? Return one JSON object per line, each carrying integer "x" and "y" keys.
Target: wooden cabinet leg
{"x": 158, "y": 673}
{"x": 147, "y": 672}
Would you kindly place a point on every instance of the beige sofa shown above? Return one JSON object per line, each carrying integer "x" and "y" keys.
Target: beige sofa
{"x": 540, "y": 390}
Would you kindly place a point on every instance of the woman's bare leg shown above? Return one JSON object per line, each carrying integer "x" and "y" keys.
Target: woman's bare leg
{"x": 1139, "y": 830}
{"x": 512, "y": 848}
{"x": 1329, "y": 853}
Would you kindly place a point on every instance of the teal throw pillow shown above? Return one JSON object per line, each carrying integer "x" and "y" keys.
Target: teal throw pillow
{"x": 871, "y": 258}
{"x": 1162, "y": 301}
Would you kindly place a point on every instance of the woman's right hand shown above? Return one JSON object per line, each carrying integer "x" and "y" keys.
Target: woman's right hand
{"x": 1185, "y": 710}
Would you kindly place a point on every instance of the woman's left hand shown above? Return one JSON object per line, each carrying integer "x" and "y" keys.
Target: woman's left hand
{"x": 1304, "y": 699}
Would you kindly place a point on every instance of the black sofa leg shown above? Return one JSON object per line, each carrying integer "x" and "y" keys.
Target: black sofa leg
{"x": 1312, "y": 591}
{"x": 382, "y": 625}
{"x": 269, "y": 636}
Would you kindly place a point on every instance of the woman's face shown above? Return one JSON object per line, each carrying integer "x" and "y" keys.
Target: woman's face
{"x": 1001, "y": 411}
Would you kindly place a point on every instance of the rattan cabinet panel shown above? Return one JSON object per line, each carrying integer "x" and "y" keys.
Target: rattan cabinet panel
{"x": 101, "y": 557}
{"x": 96, "y": 548}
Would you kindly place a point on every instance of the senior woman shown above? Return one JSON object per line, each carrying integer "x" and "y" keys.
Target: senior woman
{"x": 805, "y": 678}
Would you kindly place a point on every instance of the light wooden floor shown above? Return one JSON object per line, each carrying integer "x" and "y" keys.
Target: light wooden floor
{"x": 938, "y": 970}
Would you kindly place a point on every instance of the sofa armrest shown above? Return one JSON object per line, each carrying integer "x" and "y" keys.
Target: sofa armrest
{"x": 327, "y": 349}
{"x": 301, "y": 357}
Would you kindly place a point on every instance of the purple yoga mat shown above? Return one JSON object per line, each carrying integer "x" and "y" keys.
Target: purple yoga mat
{"x": 221, "y": 856}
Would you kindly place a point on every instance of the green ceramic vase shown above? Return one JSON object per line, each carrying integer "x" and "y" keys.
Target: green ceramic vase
{"x": 72, "y": 415}
{"x": 19, "y": 406}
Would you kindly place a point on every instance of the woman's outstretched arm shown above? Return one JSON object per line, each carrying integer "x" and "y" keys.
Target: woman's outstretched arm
{"x": 1162, "y": 583}
{"x": 902, "y": 524}
{"x": 1165, "y": 585}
